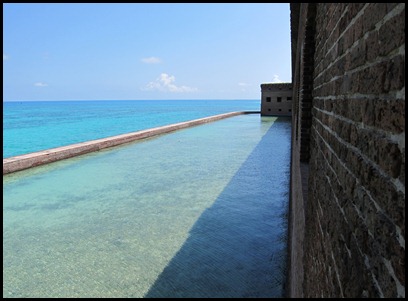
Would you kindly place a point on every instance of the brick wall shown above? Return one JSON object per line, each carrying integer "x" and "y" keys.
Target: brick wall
{"x": 301, "y": 114}
{"x": 354, "y": 205}
{"x": 276, "y": 99}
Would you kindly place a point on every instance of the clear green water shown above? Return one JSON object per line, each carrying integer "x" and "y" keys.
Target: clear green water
{"x": 200, "y": 212}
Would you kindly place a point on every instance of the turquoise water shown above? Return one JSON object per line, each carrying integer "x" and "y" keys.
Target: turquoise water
{"x": 201, "y": 212}
{"x": 32, "y": 126}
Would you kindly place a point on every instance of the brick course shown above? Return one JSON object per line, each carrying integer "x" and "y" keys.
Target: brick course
{"x": 354, "y": 123}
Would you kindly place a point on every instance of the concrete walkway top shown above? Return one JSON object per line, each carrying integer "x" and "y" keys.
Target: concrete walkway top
{"x": 21, "y": 162}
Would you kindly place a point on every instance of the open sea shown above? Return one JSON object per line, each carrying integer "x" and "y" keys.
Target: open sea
{"x": 199, "y": 212}
{"x": 31, "y": 126}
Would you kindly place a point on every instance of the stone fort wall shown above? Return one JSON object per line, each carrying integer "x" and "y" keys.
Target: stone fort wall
{"x": 347, "y": 210}
{"x": 276, "y": 99}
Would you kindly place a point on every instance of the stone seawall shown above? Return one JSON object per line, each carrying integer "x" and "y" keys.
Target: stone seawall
{"x": 17, "y": 163}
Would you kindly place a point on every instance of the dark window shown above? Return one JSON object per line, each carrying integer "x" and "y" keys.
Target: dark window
{"x": 279, "y": 99}
{"x": 290, "y": 110}
{"x": 269, "y": 110}
{"x": 280, "y": 110}
{"x": 289, "y": 98}
{"x": 268, "y": 99}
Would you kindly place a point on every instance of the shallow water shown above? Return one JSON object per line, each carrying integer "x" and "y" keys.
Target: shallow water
{"x": 200, "y": 212}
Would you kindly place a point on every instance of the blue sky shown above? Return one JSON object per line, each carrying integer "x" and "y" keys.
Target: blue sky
{"x": 144, "y": 51}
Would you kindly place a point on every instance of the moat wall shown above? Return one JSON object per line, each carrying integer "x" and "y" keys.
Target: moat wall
{"x": 347, "y": 221}
{"x": 26, "y": 161}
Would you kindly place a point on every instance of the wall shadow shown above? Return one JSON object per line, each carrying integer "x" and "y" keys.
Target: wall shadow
{"x": 237, "y": 248}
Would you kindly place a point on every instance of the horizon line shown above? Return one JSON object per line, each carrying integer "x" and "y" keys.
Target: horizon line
{"x": 26, "y": 100}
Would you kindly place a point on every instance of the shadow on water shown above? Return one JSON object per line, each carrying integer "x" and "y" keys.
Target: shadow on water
{"x": 237, "y": 248}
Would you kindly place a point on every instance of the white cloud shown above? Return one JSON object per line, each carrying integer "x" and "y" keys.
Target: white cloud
{"x": 165, "y": 83}
{"x": 151, "y": 60}
{"x": 40, "y": 84}
{"x": 5, "y": 57}
{"x": 243, "y": 86}
{"x": 276, "y": 79}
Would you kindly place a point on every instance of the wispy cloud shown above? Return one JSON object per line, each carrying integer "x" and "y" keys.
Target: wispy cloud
{"x": 276, "y": 79}
{"x": 5, "y": 57}
{"x": 165, "y": 82}
{"x": 151, "y": 60}
{"x": 243, "y": 86}
{"x": 40, "y": 84}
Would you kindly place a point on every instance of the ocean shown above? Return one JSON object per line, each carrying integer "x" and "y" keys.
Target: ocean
{"x": 30, "y": 126}
{"x": 199, "y": 212}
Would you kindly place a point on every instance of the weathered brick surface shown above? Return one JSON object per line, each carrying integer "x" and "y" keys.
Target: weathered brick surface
{"x": 354, "y": 241}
